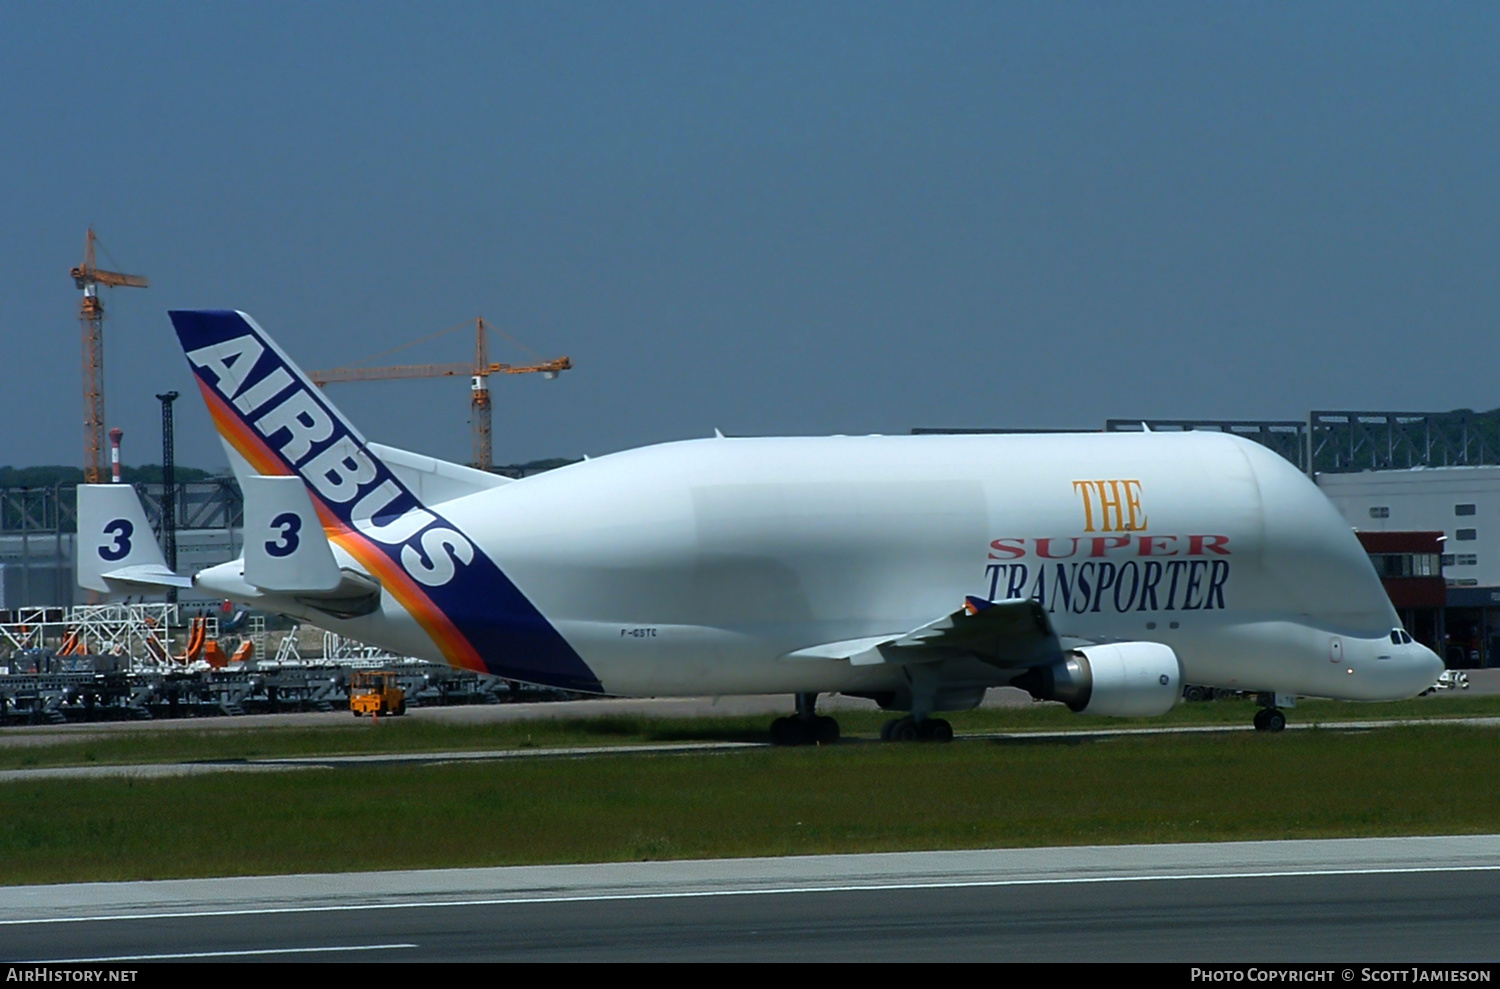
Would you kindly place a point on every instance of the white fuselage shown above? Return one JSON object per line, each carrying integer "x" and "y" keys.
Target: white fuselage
{"x": 698, "y": 567}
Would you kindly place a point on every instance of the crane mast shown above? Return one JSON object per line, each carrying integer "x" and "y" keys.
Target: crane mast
{"x": 479, "y": 402}
{"x": 88, "y": 277}
{"x": 478, "y": 374}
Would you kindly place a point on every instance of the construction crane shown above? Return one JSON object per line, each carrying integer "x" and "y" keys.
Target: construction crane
{"x": 479, "y": 384}
{"x": 88, "y": 278}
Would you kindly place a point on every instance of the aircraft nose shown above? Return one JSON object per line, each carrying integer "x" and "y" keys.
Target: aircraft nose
{"x": 1429, "y": 664}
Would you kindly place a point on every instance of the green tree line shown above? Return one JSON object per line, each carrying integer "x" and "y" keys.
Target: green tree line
{"x": 46, "y": 477}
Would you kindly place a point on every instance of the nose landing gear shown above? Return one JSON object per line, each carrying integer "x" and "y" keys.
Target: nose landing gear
{"x": 1269, "y": 719}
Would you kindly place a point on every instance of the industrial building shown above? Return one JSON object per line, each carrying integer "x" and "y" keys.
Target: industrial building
{"x": 1443, "y": 522}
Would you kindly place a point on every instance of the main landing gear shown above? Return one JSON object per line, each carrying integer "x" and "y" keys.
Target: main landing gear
{"x": 806, "y": 727}
{"x": 909, "y": 729}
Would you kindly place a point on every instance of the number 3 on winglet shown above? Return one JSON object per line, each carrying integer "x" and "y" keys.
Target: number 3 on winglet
{"x": 290, "y": 524}
{"x": 122, "y": 530}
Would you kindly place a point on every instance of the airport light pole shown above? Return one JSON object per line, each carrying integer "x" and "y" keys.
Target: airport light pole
{"x": 168, "y": 490}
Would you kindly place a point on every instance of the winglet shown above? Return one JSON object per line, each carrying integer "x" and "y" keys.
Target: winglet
{"x": 116, "y": 550}
{"x": 286, "y": 548}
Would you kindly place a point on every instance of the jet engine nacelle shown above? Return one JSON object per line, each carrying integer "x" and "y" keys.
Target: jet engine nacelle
{"x": 1119, "y": 679}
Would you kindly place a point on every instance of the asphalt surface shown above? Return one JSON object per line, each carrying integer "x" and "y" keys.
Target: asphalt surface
{"x": 1346, "y": 901}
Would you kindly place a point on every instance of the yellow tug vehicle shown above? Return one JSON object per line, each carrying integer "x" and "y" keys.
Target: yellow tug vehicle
{"x": 376, "y": 692}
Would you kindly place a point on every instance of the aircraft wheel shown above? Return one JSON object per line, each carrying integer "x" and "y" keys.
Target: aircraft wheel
{"x": 887, "y": 728}
{"x": 784, "y": 732}
{"x": 795, "y": 731}
{"x": 1269, "y": 719}
{"x": 937, "y": 730}
{"x": 825, "y": 730}
{"x": 905, "y": 730}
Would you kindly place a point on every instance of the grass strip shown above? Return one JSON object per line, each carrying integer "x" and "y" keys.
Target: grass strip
{"x": 856, "y": 798}
{"x": 222, "y": 739}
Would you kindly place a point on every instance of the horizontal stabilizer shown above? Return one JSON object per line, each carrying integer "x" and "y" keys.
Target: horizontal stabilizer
{"x": 116, "y": 549}
{"x": 286, "y": 549}
{"x": 147, "y": 575}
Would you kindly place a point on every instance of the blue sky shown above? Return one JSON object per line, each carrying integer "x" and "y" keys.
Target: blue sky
{"x": 762, "y": 217}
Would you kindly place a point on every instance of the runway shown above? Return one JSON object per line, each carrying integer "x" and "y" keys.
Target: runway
{"x": 1347, "y": 900}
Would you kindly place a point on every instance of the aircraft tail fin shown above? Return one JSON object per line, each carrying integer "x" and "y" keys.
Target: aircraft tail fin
{"x": 268, "y": 413}
{"x": 372, "y": 504}
{"x": 274, "y": 421}
{"x": 116, "y": 549}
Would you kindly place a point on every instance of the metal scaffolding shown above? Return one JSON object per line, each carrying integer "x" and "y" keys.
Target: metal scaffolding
{"x": 135, "y": 636}
{"x": 214, "y": 503}
{"x": 1355, "y": 441}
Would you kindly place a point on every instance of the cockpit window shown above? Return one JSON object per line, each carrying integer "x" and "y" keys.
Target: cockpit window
{"x": 1395, "y": 637}
{"x": 1406, "y": 638}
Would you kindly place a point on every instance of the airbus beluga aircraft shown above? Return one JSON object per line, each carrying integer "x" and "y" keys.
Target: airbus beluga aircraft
{"x": 1100, "y": 570}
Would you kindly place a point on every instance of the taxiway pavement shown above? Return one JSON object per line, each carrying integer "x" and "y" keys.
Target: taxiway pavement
{"x": 1346, "y": 900}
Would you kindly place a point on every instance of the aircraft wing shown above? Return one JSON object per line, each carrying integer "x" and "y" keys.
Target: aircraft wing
{"x": 1008, "y": 634}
